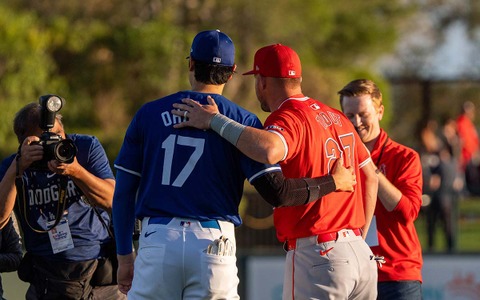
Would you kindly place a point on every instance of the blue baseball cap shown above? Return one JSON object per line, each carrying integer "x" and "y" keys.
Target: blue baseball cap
{"x": 213, "y": 47}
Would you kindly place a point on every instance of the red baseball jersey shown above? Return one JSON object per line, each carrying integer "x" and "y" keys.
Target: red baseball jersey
{"x": 315, "y": 135}
{"x": 397, "y": 236}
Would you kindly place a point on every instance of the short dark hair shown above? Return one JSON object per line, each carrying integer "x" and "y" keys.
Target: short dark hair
{"x": 212, "y": 74}
{"x": 28, "y": 119}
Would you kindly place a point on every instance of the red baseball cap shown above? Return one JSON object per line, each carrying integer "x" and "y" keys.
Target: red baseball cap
{"x": 276, "y": 61}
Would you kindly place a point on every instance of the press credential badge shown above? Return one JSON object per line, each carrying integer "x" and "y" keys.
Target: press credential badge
{"x": 60, "y": 236}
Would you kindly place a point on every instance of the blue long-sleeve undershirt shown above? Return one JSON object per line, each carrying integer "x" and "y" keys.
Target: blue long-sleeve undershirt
{"x": 124, "y": 210}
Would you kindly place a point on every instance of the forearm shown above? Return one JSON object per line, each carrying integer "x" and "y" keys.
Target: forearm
{"x": 258, "y": 144}
{"x": 124, "y": 211}
{"x": 11, "y": 256}
{"x": 370, "y": 192}
{"x": 388, "y": 194}
{"x": 123, "y": 223}
{"x": 8, "y": 194}
{"x": 127, "y": 259}
{"x": 280, "y": 191}
{"x": 9, "y": 262}
{"x": 98, "y": 191}
{"x": 11, "y": 251}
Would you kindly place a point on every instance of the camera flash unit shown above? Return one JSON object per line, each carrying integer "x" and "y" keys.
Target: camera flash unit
{"x": 51, "y": 104}
{"x": 54, "y": 104}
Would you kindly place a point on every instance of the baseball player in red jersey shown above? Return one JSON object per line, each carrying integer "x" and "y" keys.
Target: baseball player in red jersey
{"x": 327, "y": 257}
{"x": 399, "y": 194}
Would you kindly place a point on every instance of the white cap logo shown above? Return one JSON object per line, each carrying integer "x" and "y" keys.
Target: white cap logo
{"x": 217, "y": 60}
{"x": 291, "y": 73}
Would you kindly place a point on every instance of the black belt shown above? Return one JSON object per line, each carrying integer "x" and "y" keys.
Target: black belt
{"x": 165, "y": 220}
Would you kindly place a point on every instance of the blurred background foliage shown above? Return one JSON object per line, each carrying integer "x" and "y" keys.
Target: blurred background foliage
{"x": 108, "y": 57}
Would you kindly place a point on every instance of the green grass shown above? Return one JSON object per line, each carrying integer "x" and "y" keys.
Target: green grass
{"x": 13, "y": 288}
{"x": 468, "y": 234}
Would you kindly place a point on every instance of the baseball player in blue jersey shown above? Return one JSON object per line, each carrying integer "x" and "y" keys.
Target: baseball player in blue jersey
{"x": 186, "y": 185}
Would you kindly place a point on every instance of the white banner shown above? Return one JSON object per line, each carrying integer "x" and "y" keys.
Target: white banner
{"x": 445, "y": 277}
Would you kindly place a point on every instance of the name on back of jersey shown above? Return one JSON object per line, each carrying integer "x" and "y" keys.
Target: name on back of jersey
{"x": 327, "y": 119}
{"x": 170, "y": 119}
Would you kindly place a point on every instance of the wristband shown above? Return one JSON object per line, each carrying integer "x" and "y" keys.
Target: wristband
{"x": 227, "y": 128}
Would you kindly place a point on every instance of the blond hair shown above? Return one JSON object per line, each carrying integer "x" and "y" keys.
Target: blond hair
{"x": 361, "y": 87}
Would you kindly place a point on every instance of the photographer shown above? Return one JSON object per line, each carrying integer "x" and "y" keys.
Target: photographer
{"x": 62, "y": 206}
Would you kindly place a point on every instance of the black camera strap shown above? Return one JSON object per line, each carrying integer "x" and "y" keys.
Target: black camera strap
{"x": 102, "y": 220}
{"x": 22, "y": 202}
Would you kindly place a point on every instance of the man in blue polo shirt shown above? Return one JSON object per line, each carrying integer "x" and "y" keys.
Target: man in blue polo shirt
{"x": 62, "y": 209}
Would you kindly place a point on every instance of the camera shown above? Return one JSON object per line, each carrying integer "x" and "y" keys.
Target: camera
{"x": 54, "y": 146}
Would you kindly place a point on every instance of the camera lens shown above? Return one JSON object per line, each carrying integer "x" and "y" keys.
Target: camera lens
{"x": 65, "y": 151}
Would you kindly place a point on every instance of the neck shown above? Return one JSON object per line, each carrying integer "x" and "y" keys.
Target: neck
{"x": 371, "y": 144}
{"x": 207, "y": 88}
{"x": 282, "y": 96}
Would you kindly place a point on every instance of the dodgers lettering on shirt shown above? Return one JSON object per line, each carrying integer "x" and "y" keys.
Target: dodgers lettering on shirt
{"x": 38, "y": 196}
{"x": 42, "y": 192}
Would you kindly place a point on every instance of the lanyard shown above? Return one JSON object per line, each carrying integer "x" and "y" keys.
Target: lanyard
{"x": 381, "y": 152}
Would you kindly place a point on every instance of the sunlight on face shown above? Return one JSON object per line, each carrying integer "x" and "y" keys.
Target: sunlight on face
{"x": 361, "y": 111}
{"x": 58, "y": 129}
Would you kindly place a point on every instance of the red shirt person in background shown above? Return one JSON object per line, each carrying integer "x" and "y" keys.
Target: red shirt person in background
{"x": 467, "y": 133}
{"x": 399, "y": 194}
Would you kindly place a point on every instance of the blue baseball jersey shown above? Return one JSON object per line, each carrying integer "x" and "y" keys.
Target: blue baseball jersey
{"x": 42, "y": 190}
{"x": 187, "y": 172}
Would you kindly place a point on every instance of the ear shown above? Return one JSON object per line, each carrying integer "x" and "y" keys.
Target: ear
{"x": 263, "y": 81}
{"x": 234, "y": 67}
{"x": 191, "y": 65}
{"x": 380, "y": 112}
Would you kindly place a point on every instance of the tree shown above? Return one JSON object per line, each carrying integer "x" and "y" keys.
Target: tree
{"x": 26, "y": 67}
{"x": 108, "y": 57}
{"x": 436, "y": 63}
